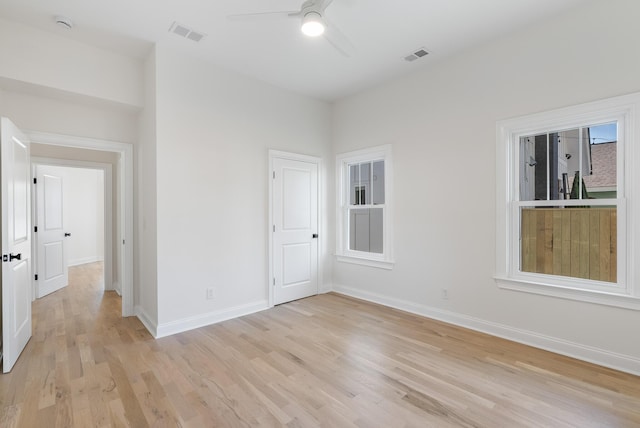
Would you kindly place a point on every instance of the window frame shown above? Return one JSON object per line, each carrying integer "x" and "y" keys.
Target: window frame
{"x": 382, "y": 260}
{"x": 624, "y": 110}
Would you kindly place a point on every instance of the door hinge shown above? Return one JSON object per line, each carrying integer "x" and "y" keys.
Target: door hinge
{"x": 36, "y": 275}
{"x": 35, "y": 228}
{"x": 35, "y": 180}
{"x": 274, "y": 174}
{"x": 274, "y": 227}
{"x": 274, "y": 282}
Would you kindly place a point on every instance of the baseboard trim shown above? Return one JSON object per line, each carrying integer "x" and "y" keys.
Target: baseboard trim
{"x": 625, "y": 363}
{"x": 190, "y": 323}
{"x": 84, "y": 261}
{"x": 116, "y": 287}
{"x": 145, "y": 319}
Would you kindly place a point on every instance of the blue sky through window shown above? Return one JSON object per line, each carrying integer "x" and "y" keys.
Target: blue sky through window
{"x": 603, "y": 133}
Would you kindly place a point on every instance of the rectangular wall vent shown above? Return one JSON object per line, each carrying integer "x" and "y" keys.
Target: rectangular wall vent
{"x": 186, "y": 32}
{"x": 195, "y": 36}
{"x": 419, "y": 53}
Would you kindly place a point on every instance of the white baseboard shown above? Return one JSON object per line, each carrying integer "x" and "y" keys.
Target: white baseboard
{"x": 185, "y": 324}
{"x": 84, "y": 260}
{"x": 146, "y": 320}
{"x": 625, "y": 363}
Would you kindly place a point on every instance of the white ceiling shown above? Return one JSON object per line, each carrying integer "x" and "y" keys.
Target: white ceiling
{"x": 274, "y": 50}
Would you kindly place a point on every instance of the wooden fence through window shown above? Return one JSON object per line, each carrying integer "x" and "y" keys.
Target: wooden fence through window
{"x": 574, "y": 242}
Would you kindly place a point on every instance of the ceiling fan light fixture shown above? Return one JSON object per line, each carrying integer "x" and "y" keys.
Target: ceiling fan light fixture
{"x": 312, "y": 24}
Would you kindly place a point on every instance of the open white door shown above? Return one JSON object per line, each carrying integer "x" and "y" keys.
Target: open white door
{"x": 16, "y": 242}
{"x": 52, "y": 258}
{"x": 295, "y": 229}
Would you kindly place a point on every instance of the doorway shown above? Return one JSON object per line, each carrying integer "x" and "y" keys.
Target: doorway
{"x": 72, "y": 219}
{"x": 122, "y": 188}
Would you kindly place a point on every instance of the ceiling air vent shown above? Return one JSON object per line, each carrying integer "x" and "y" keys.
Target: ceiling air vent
{"x": 416, "y": 55}
{"x": 186, "y": 32}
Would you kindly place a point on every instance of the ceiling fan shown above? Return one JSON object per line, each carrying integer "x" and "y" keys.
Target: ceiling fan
{"x": 314, "y": 23}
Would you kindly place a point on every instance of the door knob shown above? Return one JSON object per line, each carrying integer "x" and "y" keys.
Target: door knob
{"x": 13, "y": 257}
{"x": 67, "y": 234}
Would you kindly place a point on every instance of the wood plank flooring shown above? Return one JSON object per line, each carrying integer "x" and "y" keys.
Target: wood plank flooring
{"x": 324, "y": 361}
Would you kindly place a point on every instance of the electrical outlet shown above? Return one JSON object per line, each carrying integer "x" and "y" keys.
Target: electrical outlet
{"x": 445, "y": 294}
{"x": 211, "y": 293}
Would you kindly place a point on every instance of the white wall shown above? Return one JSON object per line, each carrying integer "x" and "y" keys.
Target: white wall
{"x": 35, "y": 112}
{"x": 146, "y": 252}
{"x": 63, "y": 65}
{"x": 441, "y": 124}
{"x": 214, "y": 130}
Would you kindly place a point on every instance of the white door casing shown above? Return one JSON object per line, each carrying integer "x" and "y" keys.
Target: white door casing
{"x": 110, "y": 280}
{"x": 16, "y": 242}
{"x": 124, "y": 192}
{"x": 52, "y": 256}
{"x": 294, "y": 205}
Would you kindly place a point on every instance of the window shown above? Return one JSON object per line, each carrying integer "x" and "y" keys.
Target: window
{"x": 565, "y": 193}
{"x": 364, "y": 207}
{"x": 564, "y": 230}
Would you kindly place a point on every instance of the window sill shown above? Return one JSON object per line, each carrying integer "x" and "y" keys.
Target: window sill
{"x": 381, "y": 264}
{"x": 598, "y": 297}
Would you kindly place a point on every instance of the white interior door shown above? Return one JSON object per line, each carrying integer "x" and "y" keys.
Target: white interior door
{"x": 51, "y": 255}
{"x": 16, "y": 242}
{"x": 295, "y": 229}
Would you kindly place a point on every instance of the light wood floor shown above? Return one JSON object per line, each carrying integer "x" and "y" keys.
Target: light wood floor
{"x": 323, "y": 361}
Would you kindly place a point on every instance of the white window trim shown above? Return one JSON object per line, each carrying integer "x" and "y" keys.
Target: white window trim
{"x": 343, "y": 254}
{"x": 626, "y": 111}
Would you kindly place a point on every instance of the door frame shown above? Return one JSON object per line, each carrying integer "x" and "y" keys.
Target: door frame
{"x": 276, "y": 154}
{"x": 124, "y": 195}
{"x": 107, "y": 169}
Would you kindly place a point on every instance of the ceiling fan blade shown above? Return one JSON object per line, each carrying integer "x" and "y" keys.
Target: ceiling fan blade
{"x": 338, "y": 40}
{"x": 326, "y": 4}
{"x": 264, "y": 15}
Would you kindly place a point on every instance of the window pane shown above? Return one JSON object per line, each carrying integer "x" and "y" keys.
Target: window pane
{"x": 602, "y": 181}
{"x": 577, "y": 242}
{"x": 577, "y": 163}
{"x": 365, "y": 230}
{"x": 365, "y": 183}
{"x": 361, "y": 187}
{"x": 378, "y": 183}
{"x": 550, "y": 164}
{"x": 354, "y": 184}
{"x": 533, "y": 168}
